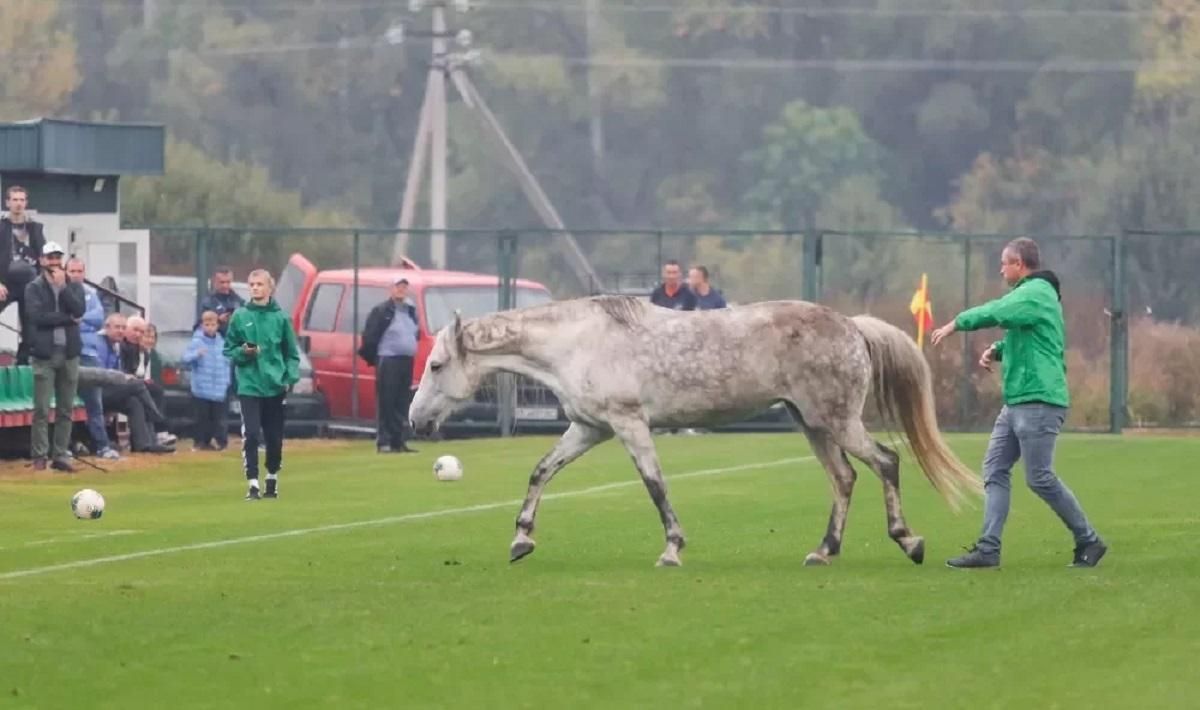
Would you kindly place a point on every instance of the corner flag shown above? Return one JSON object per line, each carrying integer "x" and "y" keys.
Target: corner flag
{"x": 922, "y": 310}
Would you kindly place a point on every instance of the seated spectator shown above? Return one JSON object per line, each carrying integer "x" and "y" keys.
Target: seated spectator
{"x": 139, "y": 360}
{"x": 90, "y": 328}
{"x": 211, "y": 373}
{"x": 126, "y": 393}
{"x": 707, "y": 297}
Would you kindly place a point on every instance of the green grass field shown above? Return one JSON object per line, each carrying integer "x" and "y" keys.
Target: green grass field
{"x": 426, "y": 611}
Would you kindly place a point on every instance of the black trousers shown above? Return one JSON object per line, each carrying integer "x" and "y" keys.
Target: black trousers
{"x": 158, "y": 395}
{"x": 138, "y": 407}
{"x": 393, "y": 394}
{"x": 262, "y": 416}
{"x": 210, "y": 422}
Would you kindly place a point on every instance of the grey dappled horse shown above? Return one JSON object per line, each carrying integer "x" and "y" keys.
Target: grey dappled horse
{"x": 621, "y": 366}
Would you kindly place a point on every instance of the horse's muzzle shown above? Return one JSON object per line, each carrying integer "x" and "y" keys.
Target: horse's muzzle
{"x": 423, "y": 429}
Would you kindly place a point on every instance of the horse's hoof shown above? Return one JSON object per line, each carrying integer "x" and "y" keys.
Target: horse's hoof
{"x": 917, "y": 553}
{"x": 519, "y": 549}
{"x": 814, "y": 559}
{"x": 666, "y": 561}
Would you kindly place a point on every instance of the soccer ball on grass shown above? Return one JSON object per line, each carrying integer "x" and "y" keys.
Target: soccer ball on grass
{"x": 87, "y": 504}
{"x": 447, "y": 468}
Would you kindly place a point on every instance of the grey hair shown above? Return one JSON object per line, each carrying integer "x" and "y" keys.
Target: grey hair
{"x": 1026, "y": 250}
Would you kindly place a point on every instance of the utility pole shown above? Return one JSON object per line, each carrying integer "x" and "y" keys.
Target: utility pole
{"x": 595, "y": 104}
{"x": 437, "y": 186}
{"x": 432, "y": 138}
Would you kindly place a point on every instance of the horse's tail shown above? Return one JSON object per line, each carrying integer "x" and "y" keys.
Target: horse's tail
{"x": 903, "y": 389}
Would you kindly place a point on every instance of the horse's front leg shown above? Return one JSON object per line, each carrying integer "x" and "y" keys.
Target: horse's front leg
{"x": 635, "y": 435}
{"x": 574, "y": 443}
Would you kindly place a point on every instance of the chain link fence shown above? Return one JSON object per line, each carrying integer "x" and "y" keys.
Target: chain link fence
{"x": 852, "y": 272}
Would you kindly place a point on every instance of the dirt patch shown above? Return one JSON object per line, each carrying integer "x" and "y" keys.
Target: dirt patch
{"x": 22, "y": 469}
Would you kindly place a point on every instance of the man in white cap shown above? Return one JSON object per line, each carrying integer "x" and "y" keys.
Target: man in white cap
{"x": 54, "y": 306}
{"x": 389, "y": 344}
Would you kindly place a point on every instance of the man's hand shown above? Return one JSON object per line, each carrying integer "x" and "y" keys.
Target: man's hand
{"x": 223, "y": 318}
{"x": 3, "y": 293}
{"x": 56, "y": 277}
{"x": 988, "y": 357}
{"x": 940, "y": 334}
{"x": 250, "y": 350}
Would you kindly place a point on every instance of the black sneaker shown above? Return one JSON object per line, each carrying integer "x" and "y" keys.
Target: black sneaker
{"x": 1089, "y": 555}
{"x": 252, "y": 494}
{"x": 272, "y": 489}
{"x": 975, "y": 559}
{"x": 65, "y": 466}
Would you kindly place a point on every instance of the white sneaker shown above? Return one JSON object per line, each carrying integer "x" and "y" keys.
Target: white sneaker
{"x": 109, "y": 454}
{"x": 166, "y": 438}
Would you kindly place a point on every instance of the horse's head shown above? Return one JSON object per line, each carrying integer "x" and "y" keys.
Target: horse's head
{"x": 450, "y": 379}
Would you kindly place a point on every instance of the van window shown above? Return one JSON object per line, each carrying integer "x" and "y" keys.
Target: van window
{"x": 322, "y": 310}
{"x": 473, "y": 301}
{"x": 368, "y": 298}
{"x": 288, "y": 288}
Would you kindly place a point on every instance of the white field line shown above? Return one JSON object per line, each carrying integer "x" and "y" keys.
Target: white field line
{"x": 76, "y": 538}
{"x": 408, "y": 517}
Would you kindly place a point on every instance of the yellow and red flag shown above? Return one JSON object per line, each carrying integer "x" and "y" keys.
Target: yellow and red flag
{"x": 922, "y": 310}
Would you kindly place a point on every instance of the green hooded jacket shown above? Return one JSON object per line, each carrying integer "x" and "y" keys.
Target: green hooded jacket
{"x": 276, "y": 367}
{"x": 1032, "y": 354}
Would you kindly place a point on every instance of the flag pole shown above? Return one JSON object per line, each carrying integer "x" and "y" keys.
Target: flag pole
{"x": 921, "y": 317}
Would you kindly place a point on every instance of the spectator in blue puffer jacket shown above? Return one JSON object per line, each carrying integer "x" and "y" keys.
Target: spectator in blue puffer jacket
{"x": 211, "y": 372}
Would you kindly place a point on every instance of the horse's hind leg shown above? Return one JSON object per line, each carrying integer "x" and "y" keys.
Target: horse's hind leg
{"x": 841, "y": 478}
{"x": 885, "y": 462}
{"x": 575, "y": 442}
{"x": 635, "y": 435}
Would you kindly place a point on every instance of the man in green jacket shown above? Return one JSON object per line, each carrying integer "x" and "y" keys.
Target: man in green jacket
{"x": 262, "y": 346}
{"x": 1036, "y": 399}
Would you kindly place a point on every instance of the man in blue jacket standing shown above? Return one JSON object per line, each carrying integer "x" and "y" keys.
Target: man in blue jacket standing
{"x": 89, "y": 332}
{"x": 389, "y": 344}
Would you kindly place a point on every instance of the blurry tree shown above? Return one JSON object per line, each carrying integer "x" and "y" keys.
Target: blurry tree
{"x": 37, "y": 53}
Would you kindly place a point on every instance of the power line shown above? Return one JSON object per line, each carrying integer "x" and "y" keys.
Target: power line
{"x": 898, "y": 65}
{"x": 1040, "y": 13}
{"x": 894, "y": 65}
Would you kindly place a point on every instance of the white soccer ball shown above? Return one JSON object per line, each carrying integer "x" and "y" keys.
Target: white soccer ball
{"x": 447, "y": 468}
{"x": 87, "y": 504}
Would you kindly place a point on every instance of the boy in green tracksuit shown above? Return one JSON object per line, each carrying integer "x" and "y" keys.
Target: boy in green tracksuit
{"x": 1036, "y": 399}
{"x": 261, "y": 345}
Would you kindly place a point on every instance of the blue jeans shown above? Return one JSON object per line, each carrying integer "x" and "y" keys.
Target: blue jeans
{"x": 1028, "y": 430}
{"x": 93, "y": 402}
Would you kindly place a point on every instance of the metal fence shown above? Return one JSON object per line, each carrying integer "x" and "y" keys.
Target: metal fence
{"x": 853, "y": 272}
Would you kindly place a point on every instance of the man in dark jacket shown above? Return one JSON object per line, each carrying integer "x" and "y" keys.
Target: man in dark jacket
{"x": 389, "y": 345}
{"x": 1036, "y": 398}
{"x": 222, "y": 300}
{"x": 54, "y": 305}
{"x": 21, "y": 244}
{"x": 672, "y": 292}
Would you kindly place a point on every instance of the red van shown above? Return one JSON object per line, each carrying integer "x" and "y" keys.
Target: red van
{"x": 322, "y": 308}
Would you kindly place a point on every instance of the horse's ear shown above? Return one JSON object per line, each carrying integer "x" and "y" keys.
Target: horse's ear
{"x": 459, "y": 348}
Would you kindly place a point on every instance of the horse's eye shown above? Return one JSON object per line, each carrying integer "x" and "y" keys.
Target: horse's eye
{"x": 435, "y": 366}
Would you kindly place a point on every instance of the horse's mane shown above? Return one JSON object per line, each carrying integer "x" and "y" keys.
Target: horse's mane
{"x": 503, "y": 331}
{"x": 625, "y": 311}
